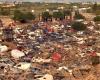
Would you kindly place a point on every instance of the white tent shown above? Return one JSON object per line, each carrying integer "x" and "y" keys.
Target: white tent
{"x": 16, "y": 53}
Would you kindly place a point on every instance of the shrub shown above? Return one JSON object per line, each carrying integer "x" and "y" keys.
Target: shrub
{"x": 97, "y": 18}
{"x": 78, "y": 26}
{"x": 79, "y": 16}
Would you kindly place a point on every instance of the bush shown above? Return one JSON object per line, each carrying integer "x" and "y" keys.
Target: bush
{"x": 78, "y": 26}
{"x": 97, "y": 18}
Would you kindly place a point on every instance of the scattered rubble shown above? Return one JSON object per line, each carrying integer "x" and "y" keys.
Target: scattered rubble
{"x": 50, "y": 52}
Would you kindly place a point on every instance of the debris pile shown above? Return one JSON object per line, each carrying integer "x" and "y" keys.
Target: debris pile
{"x": 50, "y": 51}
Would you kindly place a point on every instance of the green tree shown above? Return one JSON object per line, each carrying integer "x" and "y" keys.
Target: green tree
{"x": 95, "y": 6}
{"x": 46, "y": 15}
{"x": 67, "y": 12}
{"x": 18, "y": 15}
{"x": 58, "y": 15}
{"x": 78, "y": 26}
{"x": 97, "y": 18}
{"x": 30, "y": 16}
{"x": 23, "y": 17}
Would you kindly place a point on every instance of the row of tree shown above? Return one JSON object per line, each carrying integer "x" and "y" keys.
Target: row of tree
{"x": 28, "y": 16}
{"x": 61, "y": 15}
{"x": 57, "y": 15}
{"x": 19, "y": 16}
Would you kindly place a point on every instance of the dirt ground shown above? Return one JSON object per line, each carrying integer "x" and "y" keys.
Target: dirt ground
{"x": 6, "y": 20}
